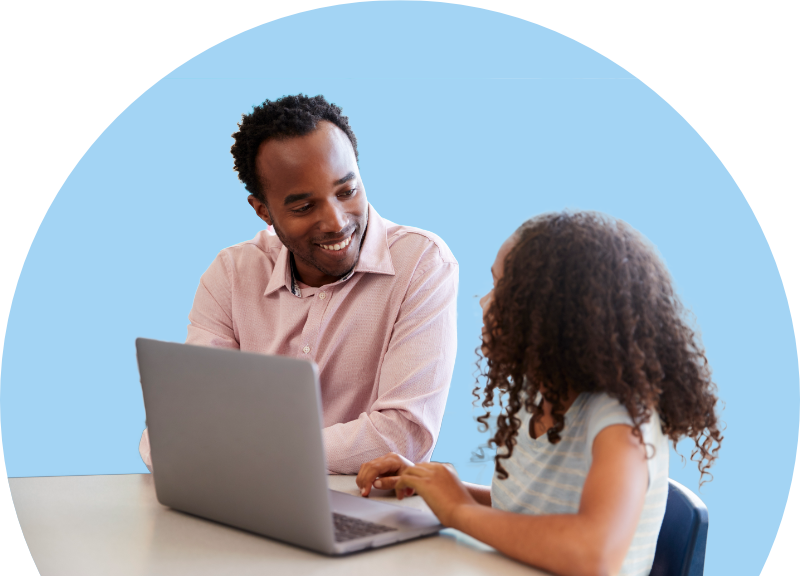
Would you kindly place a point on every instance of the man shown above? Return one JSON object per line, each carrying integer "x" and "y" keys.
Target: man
{"x": 371, "y": 302}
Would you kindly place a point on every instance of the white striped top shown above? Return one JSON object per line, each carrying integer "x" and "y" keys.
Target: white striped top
{"x": 546, "y": 478}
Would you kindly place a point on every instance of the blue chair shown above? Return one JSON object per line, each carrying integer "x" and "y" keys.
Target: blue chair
{"x": 681, "y": 547}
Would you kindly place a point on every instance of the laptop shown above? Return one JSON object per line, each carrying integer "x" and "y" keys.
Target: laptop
{"x": 236, "y": 438}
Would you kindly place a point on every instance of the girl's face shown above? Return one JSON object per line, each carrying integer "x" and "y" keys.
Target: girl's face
{"x": 497, "y": 273}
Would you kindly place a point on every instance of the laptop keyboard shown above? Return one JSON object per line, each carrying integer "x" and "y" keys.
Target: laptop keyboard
{"x": 349, "y": 528}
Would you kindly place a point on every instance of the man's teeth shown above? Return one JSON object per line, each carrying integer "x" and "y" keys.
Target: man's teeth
{"x": 340, "y": 246}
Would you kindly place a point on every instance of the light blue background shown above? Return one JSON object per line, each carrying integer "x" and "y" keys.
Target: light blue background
{"x": 468, "y": 123}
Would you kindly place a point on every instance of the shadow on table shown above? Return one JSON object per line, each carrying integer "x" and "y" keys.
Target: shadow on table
{"x": 185, "y": 544}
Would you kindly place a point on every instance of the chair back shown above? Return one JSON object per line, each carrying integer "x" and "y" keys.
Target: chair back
{"x": 681, "y": 547}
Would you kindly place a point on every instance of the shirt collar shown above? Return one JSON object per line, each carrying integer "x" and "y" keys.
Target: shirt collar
{"x": 375, "y": 258}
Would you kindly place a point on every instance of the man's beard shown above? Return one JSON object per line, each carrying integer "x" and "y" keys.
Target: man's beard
{"x": 304, "y": 252}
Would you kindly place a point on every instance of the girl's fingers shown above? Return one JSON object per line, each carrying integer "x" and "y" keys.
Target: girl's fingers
{"x": 403, "y": 492}
{"x": 401, "y": 488}
{"x": 388, "y": 465}
{"x": 420, "y": 471}
{"x": 408, "y": 483}
{"x": 385, "y": 482}
{"x": 405, "y": 481}
{"x": 372, "y": 469}
{"x": 415, "y": 478}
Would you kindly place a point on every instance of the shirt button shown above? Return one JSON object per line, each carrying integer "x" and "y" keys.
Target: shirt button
{"x": 306, "y": 350}
{"x": 322, "y": 295}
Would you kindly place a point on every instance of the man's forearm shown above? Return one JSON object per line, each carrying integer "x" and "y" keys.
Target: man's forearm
{"x": 414, "y": 377}
{"x": 349, "y": 445}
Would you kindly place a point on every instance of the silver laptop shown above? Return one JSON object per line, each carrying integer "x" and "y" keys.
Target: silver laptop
{"x": 236, "y": 437}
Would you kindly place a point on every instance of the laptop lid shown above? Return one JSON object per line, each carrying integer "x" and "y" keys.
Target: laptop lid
{"x": 237, "y": 437}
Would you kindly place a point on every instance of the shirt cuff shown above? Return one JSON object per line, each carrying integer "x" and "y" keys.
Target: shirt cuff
{"x": 144, "y": 450}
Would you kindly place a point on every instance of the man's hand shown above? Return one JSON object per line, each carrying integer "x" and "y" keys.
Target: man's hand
{"x": 382, "y": 473}
{"x": 439, "y": 486}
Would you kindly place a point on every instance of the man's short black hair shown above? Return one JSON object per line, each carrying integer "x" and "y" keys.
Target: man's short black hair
{"x": 286, "y": 117}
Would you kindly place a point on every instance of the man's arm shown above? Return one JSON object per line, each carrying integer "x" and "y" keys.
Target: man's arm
{"x": 414, "y": 379}
{"x": 211, "y": 320}
{"x": 211, "y": 324}
{"x": 144, "y": 450}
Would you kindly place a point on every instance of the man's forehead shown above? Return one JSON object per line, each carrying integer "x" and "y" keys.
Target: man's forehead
{"x": 304, "y": 159}
{"x": 325, "y": 140}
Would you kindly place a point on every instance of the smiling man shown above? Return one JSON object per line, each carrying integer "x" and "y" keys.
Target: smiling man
{"x": 371, "y": 302}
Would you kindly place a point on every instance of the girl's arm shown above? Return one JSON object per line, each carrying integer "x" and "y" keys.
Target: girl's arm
{"x": 383, "y": 473}
{"x": 594, "y": 541}
{"x": 481, "y": 494}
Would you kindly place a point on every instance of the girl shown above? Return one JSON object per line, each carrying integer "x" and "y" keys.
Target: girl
{"x": 594, "y": 372}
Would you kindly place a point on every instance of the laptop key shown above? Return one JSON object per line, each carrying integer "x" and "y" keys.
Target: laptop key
{"x": 350, "y": 528}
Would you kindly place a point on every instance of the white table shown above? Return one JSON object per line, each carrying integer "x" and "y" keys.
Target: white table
{"x": 104, "y": 525}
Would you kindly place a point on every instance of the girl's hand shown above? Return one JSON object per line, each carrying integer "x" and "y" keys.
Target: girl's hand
{"x": 439, "y": 486}
{"x": 382, "y": 473}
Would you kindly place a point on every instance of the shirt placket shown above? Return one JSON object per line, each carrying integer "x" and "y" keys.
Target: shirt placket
{"x": 311, "y": 331}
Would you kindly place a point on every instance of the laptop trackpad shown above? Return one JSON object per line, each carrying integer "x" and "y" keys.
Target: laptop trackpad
{"x": 400, "y": 517}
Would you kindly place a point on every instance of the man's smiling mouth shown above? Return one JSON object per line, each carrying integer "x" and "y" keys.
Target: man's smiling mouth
{"x": 339, "y": 245}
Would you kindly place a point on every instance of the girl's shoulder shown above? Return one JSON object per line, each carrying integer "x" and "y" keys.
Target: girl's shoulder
{"x": 594, "y": 411}
{"x": 599, "y": 411}
{"x": 599, "y": 407}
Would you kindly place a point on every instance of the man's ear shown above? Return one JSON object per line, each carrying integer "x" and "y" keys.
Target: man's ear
{"x": 260, "y": 208}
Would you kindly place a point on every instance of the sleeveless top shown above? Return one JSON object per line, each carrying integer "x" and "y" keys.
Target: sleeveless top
{"x": 545, "y": 478}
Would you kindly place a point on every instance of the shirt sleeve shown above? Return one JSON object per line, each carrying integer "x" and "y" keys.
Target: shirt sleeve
{"x": 211, "y": 317}
{"x": 211, "y": 323}
{"x": 607, "y": 411}
{"x": 414, "y": 377}
{"x": 144, "y": 450}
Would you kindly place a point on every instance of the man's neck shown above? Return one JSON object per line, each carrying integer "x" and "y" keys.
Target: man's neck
{"x": 310, "y": 276}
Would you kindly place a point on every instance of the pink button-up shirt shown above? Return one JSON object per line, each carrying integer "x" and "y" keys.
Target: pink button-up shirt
{"x": 384, "y": 338}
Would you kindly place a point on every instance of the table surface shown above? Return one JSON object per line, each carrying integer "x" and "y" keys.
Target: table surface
{"x": 87, "y": 525}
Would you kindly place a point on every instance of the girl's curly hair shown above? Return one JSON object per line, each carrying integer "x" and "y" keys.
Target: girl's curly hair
{"x": 586, "y": 305}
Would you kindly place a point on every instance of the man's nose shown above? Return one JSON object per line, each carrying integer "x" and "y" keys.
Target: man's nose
{"x": 333, "y": 218}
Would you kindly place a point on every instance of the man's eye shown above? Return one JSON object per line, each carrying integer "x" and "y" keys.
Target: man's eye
{"x": 349, "y": 193}
{"x": 301, "y": 209}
